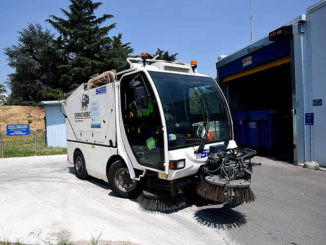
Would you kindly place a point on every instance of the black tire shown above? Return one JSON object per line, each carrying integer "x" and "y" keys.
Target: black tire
{"x": 120, "y": 181}
{"x": 80, "y": 166}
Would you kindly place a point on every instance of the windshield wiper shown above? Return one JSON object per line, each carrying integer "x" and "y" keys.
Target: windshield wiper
{"x": 205, "y": 116}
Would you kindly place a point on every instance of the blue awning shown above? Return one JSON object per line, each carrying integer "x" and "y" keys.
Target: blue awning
{"x": 261, "y": 56}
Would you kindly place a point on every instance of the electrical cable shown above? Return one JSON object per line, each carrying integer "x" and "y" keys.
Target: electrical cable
{"x": 65, "y": 116}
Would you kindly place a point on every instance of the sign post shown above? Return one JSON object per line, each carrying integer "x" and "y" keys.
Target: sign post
{"x": 309, "y": 120}
{"x": 2, "y": 142}
{"x": 35, "y": 139}
{"x": 18, "y": 130}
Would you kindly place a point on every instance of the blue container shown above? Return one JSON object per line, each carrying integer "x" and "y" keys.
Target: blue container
{"x": 256, "y": 128}
{"x": 260, "y": 129}
{"x": 239, "y": 126}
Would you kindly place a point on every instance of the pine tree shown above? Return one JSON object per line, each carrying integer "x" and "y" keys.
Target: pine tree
{"x": 164, "y": 55}
{"x": 84, "y": 43}
{"x": 115, "y": 54}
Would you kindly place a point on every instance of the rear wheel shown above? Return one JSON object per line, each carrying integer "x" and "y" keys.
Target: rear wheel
{"x": 80, "y": 166}
{"x": 120, "y": 181}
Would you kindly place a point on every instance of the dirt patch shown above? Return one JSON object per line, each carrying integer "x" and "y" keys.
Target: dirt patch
{"x": 32, "y": 115}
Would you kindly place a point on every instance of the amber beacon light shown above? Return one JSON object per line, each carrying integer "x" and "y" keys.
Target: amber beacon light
{"x": 193, "y": 65}
{"x": 144, "y": 56}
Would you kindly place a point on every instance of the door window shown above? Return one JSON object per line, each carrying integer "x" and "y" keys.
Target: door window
{"x": 142, "y": 121}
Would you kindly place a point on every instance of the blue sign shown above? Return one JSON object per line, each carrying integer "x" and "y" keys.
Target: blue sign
{"x": 309, "y": 119}
{"x": 18, "y": 130}
{"x": 317, "y": 102}
{"x": 205, "y": 153}
{"x": 101, "y": 90}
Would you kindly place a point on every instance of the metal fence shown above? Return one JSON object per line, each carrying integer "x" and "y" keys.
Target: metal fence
{"x": 35, "y": 140}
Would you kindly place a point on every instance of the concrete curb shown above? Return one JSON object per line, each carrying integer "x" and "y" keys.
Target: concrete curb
{"x": 311, "y": 165}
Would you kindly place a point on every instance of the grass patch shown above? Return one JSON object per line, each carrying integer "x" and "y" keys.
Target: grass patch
{"x": 65, "y": 242}
{"x": 10, "y": 243}
{"x": 20, "y": 146}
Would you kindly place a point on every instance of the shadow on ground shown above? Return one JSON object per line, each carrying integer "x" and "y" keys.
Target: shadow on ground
{"x": 210, "y": 214}
{"x": 222, "y": 218}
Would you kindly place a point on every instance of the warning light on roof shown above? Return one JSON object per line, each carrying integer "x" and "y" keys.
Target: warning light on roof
{"x": 193, "y": 65}
{"x": 144, "y": 56}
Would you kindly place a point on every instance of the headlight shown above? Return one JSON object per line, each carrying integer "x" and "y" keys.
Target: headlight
{"x": 177, "y": 164}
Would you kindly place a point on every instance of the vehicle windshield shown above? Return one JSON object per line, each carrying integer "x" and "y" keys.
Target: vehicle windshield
{"x": 192, "y": 104}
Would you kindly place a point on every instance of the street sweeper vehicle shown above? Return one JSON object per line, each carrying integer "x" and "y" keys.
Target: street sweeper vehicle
{"x": 155, "y": 129}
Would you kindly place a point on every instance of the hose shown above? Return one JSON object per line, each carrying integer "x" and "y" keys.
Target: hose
{"x": 220, "y": 167}
{"x": 222, "y": 164}
{"x": 250, "y": 154}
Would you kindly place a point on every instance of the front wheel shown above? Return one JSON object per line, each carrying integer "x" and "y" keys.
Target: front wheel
{"x": 120, "y": 181}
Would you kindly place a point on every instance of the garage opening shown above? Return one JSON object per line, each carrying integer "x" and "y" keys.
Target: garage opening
{"x": 261, "y": 104}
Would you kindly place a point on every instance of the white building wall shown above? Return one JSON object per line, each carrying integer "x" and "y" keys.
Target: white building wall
{"x": 316, "y": 45}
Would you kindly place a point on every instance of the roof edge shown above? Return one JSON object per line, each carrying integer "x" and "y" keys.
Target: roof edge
{"x": 316, "y": 6}
{"x": 51, "y": 102}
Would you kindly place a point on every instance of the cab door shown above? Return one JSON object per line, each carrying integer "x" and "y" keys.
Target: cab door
{"x": 141, "y": 121}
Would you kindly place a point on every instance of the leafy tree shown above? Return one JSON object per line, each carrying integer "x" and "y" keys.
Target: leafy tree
{"x": 46, "y": 67}
{"x": 2, "y": 88}
{"x": 84, "y": 43}
{"x": 164, "y": 55}
{"x": 3, "y": 97}
{"x": 34, "y": 59}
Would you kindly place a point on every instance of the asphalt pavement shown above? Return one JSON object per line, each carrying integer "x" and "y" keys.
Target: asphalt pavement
{"x": 41, "y": 201}
{"x": 290, "y": 207}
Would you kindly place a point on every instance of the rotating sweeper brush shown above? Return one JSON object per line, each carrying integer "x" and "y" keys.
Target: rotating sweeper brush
{"x": 161, "y": 195}
{"x": 160, "y": 202}
{"x": 226, "y": 177}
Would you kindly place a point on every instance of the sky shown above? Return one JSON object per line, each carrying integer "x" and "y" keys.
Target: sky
{"x": 195, "y": 29}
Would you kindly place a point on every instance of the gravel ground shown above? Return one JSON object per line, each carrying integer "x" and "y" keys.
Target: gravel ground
{"x": 41, "y": 201}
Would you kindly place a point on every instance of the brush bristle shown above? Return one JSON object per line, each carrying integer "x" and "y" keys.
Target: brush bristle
{"x": 224, "y": 194}
{"x": 161, "y": 204}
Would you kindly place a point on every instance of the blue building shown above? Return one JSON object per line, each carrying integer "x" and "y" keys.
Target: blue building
{"x": 281, "y": 77}
{"x": 55, "y": 124}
